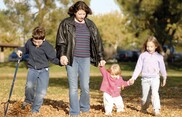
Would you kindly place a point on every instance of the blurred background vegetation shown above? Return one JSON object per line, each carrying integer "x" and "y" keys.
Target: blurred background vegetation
{"x": 125, "y": 30}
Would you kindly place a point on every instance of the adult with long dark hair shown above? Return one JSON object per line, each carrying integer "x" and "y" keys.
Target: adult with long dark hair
{"x": 78, "y": 43}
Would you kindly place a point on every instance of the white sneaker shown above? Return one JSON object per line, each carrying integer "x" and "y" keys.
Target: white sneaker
{"x": 108, "y": 113}
{"x": 120, "y": 110}
{"x": 156, "y": 112}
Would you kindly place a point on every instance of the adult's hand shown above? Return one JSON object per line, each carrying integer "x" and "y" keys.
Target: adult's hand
{"x": 63, "y": 60}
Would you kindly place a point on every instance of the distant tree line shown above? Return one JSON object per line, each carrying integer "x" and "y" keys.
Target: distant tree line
{"x": 126, "y": 30}
{"x": 161, "y": 18}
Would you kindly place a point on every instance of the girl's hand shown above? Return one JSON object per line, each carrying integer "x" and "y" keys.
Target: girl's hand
{"x": 163, "y": 83}
{"x": 131, "y": 81}
{"x": 122, "y": 87}
{"x": 102, "y": 63}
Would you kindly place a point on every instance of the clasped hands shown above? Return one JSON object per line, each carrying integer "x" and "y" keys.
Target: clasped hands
{"x": 64, "y": 61}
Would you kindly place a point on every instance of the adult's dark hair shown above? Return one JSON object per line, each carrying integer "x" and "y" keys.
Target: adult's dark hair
{"x": 38, "y": 33}
{"x": 80, "y": 5}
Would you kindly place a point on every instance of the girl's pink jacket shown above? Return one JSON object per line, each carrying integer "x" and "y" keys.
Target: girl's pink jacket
{"x": 110, "y": 85}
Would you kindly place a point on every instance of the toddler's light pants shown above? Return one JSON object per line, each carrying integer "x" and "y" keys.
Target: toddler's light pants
{"x": 109, "y": 102}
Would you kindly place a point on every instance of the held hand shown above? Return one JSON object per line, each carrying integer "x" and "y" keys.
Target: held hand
{"x": 131, "y": 81}
{"x": 122, "y": 87}
{"x": 63, "y": 60}
{"x": 102, "y": 63}
{"x": 163, "y": 83}
{"x": 19, "y": 53}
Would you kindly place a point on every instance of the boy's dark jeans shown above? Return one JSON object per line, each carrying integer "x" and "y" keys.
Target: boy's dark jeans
{"x": 36, "y": 87}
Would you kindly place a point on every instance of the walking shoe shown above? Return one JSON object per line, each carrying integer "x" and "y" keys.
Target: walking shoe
{"x": 120, "y": 110}
{"x": 85, "y": 114}
{"x": 73, "y": 116}
{"x": 144, "y": 111}
{"x": 24, "y": 104}
{"x": 35, "y": 114}
{"x": 156, "y": 112}
{"x": 108, "y": 113}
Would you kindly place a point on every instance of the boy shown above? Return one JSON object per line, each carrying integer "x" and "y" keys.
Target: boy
{"x": 40, "y": 53}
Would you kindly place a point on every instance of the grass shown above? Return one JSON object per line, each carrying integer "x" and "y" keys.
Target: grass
{"x": 58, "y": 78}
{"x": 58, "y": 85}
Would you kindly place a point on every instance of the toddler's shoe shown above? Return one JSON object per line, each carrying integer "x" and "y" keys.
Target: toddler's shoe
{"x": 108, "y": 113}
{"x": 156, "y": 112}
{"x": 120, "y": 110}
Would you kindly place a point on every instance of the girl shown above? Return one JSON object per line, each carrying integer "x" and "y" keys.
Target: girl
{"x": 150, "y": 63}
{"x": 112, "y": 84}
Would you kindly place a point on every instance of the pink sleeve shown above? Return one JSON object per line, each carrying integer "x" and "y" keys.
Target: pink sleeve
{"x": 125, "y": 83}
{"x": 103, "y": 71}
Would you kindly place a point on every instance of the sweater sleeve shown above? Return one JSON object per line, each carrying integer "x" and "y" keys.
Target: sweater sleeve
{"x": 103, "y": 71}
{"x": 51, "y": 54}
{"x": 138, "y": 68}
{"x": 124, "y": 83}
{"x": 162, "y": 68}
{"x": 25, "y": 48}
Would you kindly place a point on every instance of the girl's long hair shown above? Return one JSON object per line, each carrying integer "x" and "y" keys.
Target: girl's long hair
{"x": 156, "y": 43}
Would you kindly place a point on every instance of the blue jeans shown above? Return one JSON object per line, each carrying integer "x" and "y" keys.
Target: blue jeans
{"x": 80, "y": 68}
{"x": 150, "y": 89}
{"x": 36, "y": 87}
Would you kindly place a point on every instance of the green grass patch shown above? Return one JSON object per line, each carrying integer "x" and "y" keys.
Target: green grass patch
{"x": 58, "y": 81}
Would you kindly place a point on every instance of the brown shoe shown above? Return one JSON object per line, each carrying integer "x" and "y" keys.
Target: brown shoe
{"x": 24, "y": 104}
{"x": 144, "y": 111}
{"x": 85, "y": 114}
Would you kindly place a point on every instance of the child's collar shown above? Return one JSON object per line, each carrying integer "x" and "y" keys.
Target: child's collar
{"x": 115, "y": 76}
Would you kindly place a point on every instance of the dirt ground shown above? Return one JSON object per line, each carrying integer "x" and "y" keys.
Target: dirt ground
{"x": 59, "y": 107}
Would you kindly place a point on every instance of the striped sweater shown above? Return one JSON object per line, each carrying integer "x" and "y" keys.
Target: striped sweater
{"x": 82, "y": 41}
